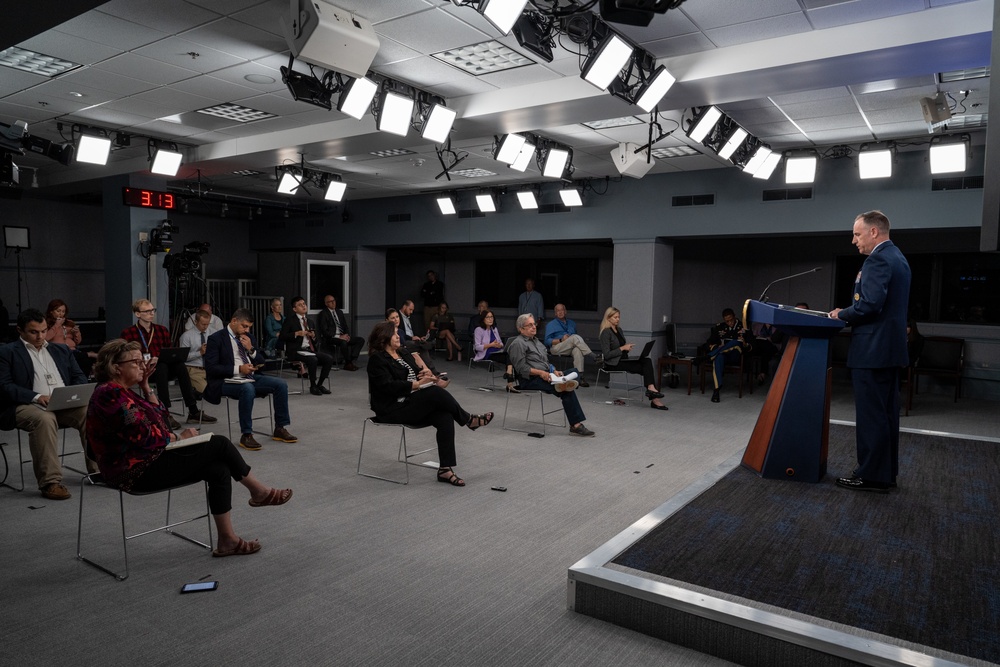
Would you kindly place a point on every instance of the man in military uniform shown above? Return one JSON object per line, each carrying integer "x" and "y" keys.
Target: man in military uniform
{"x": 727, "y": 342}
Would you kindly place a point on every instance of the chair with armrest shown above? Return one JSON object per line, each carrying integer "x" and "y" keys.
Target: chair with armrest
{"x": 942, "y": 356}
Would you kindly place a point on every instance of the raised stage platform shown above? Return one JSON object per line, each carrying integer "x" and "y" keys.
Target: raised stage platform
{"x": 775, "y": 572}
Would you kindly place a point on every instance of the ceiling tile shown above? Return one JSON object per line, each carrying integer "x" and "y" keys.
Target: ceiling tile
{"x": 145, "y": 69}
{"x": 215, "y": 88}
{"x": 237, "y": 39}
{"x": 92, "y": 77}
{"x": 110, "y": 31}
{"x": 238, "y": 73}
{"x": 432, "y": 31}
{"x": 70, "y": 48}
{"x": 754, "y": 31}
{"x": 708, "y": 14}
{"x": 859, "y": 11}
{"x": 163, "y": 16}
{"x": 426, "y": 71}
{"x": 189, "y": 55}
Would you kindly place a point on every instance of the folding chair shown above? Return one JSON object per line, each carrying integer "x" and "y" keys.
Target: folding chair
{"x": 23, "y": 462}
{"x": 629, "y": 387}
{"x": 402, "y": 456}
{"x": 530, "y": 395}
{"x": 167, "y": 527}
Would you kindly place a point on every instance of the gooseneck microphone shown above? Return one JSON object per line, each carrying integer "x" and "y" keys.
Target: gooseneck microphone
{"x": 764, "y": 293}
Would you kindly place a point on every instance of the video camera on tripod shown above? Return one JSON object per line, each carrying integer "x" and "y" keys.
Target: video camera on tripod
{"x": 187, "y": 261}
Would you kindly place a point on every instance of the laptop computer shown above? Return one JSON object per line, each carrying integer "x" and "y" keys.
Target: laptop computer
{"x": 646, "y": 349}
{"x": 170, "y": 355}
{"x": 73, "y": 396}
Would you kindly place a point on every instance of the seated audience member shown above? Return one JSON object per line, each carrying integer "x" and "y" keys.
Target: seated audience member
{"x": 476, "y": 320}
{"x": 65, "y": 331}
{"x": 272, "y": 327}
{"x": 128, "y": 436}
{"x": 334, "y": 333}
{"x": 407, "y": 334}
{"x": 412, "y": 346}
{"x": 403, "y": 393}
{"x": 197, "y": 340}
{"x": 726, "y": 343}
{"x": 299, "y": 338}
{"x": 561, "y": 337}
{"x": 153, "y": 337}
{"x": 530, "y": 360}
{"x": 489, "y": 346}
{"x": 233, "y": 354}
{"x": 30, "y": 368}
{"x": 615, "y": 350}
{"x": 442, "y": 327}
{"x": 214, "y": 324}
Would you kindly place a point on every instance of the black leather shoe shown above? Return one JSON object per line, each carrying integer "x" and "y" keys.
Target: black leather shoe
{"x": 653, "y": 394}
{"x": 858, "y": 484}
{"x": 715, "y": 396}
{"x": 658, "y": 407}
{"x": 323, "y": 389}
{"x": 315, "y": 391}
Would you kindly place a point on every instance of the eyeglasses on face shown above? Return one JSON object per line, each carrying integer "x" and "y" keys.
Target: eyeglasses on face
{"x": 145, "y": 312}
{"x": 138, "y": 362}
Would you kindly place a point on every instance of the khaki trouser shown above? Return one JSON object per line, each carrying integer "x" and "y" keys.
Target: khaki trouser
{"x": 43, "y": 429}
{"x": 198, "y": 378}
{"x": 576, "y": 346}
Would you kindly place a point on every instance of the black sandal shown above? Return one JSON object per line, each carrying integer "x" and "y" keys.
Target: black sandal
{"x": 483, "y": 420}
{"x": 450, "y": 478}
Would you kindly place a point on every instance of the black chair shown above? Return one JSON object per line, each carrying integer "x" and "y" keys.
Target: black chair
{"x": 942, "y": 356}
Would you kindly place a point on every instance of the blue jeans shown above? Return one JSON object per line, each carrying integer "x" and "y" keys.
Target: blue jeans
{"x": 571, "y": 404}
{"x": 262, "y": 386}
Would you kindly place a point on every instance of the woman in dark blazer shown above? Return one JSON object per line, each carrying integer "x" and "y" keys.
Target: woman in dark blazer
{"x": 615, "y": 351}
{"x": 401, "y": 392}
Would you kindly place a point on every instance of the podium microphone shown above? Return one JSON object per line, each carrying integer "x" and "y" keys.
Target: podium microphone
{"x": 762, "y": 294}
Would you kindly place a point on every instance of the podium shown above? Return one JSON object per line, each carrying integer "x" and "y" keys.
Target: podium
{"x": 791, "y": 437}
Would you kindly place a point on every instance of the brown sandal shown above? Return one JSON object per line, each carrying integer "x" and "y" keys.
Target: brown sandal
{"x": 242, "y": 548}
{"x": 273, "y": 497}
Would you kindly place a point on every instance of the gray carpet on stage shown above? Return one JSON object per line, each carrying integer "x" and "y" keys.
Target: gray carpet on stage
{"x": 917, "y": 564}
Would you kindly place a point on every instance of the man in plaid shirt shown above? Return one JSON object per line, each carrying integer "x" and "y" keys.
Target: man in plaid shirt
{"x": 153, "y": 338}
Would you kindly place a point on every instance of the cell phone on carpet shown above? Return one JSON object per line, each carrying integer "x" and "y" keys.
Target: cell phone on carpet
{"x": 200, "y": 586}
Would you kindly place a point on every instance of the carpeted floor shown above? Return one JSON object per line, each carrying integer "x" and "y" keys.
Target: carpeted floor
{"x": 918, "y": 564}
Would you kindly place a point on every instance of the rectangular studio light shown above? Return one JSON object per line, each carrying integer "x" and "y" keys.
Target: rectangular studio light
{"x": 437, "y": 127}
{"x": 768, "y": 166}
{"x": 166, "y": 162}
{"x": 503, "y": 14}
{"x": 655, "y": 89}
{"x": 605, "y": 62}
{"x": 524, "y": 157}
{"x": 509, "y": 148}
{"x": 446, "y": 205}
{"x": 571, "y": 197}
{"x": 92, "y": 149}
{"x": 704, "y": 124}
{"x": 526, "y": 198}
{"x": 486, "y": 203}
{"x": 555, "y": 163}
{"x": 947, "y": 158}
{"x": 875, "y": 164}
{"x": 734, "y": 141}
{"x": 756, "y": 160}
{"x": 357, "y": 97}
{"x": 288, "y": 184}
{"x": 335, "y": 190}
{"x": 800, "y": 169}
{"x": 397, "y": 110}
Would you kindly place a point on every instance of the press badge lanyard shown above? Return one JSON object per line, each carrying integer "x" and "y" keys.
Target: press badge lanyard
{"x": 147, "y": 355}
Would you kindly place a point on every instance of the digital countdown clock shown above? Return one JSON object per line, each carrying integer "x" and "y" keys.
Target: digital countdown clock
{"x": 149, "y": 199}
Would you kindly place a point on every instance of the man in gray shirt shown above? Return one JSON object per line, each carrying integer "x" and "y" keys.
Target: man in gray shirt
{"x": 531, "y": 302}
{"x": 530, "y": 359}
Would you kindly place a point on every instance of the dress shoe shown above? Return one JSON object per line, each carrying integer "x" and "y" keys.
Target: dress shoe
{"x": 858, "y": 484}
{"x": 323, "y": 389}
{"x": 174, "y": 424}
{"x": 653, "y": 394}
{"x": 715, "y": 396}
{"x": 582, "y": 431}
{"x": 314, "y": 390}
{"x": 281, "y": 434}
{"x": 349, "y": 366}
{"x": 658, "y": 407}
{"x": 247, "y": 442}
{"x": 584, "y": 383}
{"x": 199, "y": 416}
{"x": 56, "y": 491}
{"x": 569, "y": 385}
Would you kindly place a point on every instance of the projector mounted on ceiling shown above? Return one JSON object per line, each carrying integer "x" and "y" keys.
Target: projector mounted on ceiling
{"x": 330, "y": 37}
{"x": 630, "y": 163}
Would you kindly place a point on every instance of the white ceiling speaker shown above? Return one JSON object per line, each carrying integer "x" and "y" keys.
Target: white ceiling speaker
{"x": 630, "y": 163}
{"x": 330, "y": 37}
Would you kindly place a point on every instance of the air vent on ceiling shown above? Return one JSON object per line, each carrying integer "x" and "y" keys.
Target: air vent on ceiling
{"x": 957, "y": 183}
{"x": 788, "y": 194}
{"x": 471, "y": 213}
{"x": 693, "y": 200}
{"x": 399, "y": 217}
{"x": 554, "y": 208}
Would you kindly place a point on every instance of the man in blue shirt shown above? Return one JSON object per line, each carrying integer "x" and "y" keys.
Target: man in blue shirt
{"x": 561, "y": 338}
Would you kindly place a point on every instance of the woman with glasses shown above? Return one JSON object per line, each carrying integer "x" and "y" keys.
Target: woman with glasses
{"x": 128, "y": 435}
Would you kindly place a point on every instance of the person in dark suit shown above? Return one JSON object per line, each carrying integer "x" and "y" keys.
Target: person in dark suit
{"x": 299, "y": 335}
{"x": 334, "y": 333}
{"x": 877, "y": 353}
{"x": 30, "y": 368}
{"x": 401, "y": 392}
{"x": 233, "y": 353}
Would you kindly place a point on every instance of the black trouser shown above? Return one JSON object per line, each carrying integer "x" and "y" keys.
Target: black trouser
{"x": 421, "y": 348}
{"x": 435, "y": 407}
{"x": 322, "y": 359}
{"x": 216, "y": 462}
{"x": 178, "y": 371}
{"x": 349, "y": 350}
{"x": 643, "y": 367}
